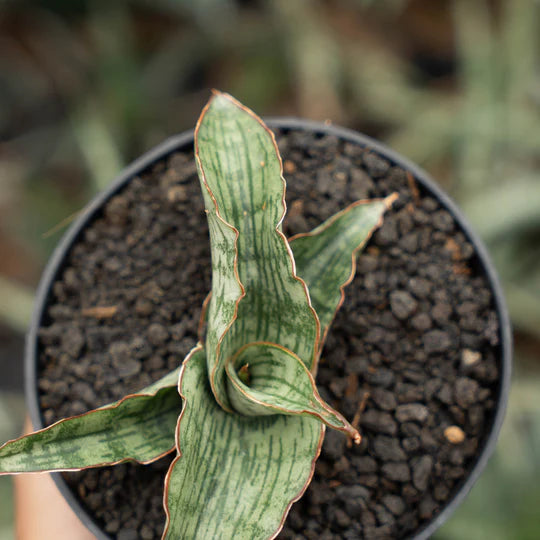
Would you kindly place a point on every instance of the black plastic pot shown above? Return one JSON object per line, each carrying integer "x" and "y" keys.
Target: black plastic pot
{"x": 57, "y": 261}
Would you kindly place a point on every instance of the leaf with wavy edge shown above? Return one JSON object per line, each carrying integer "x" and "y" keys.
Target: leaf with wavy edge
{"x": 256, "y": 294}
{"x": 279, "y": 383}
{"x": 140, "y": 427}
{"x": 326, "y": 256}
{"x": 236, "y": 476}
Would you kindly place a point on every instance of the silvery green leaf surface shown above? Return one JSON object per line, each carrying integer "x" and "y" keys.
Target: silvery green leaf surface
{"x": 326, "y": 257}
{"x": 247, "y": 438}
{"x": 236, "y": 476}
{"x": 278, "y": 382}
{"x": 139, "y": 427}
{"x": 256, "y": 294}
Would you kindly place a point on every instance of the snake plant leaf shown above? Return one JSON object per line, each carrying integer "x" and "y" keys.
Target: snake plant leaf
{"x": 326, "y": 256}
{"x": 236, "y": 476}
{"x": 256, "y": 294}
{"x": 140, "y": 427}
{"x": 278, "y": 383}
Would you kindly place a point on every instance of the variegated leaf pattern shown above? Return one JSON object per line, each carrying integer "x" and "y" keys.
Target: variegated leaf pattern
{"x": 240, "y": 172}
{"x": 278, "y": 383}
{"x": 140, "y": 427}
{"x": 326, "y": 256}
{"x": 236, "y": 476}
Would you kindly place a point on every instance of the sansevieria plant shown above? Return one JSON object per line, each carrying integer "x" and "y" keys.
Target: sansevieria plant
{"x": 242, "y": 412}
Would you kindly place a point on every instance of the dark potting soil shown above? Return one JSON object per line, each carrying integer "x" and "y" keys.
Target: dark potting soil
{"x": 414, "y": 346}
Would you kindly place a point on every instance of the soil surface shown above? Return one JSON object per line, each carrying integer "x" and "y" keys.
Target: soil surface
{"x": 415, "y": 345}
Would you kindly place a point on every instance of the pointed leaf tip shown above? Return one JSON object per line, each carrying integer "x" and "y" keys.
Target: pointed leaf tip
{"x": 326, "y": 256}
{"x": 390, "y": 200}
{"x": 139, "y": 427}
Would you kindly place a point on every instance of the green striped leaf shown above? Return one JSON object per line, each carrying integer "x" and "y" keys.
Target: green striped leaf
{"x": 256, "y": 295}
{"x": 139, "y": 427}
{"x": 236, "y": 476}
{"x": 326, "y": 257}
{"x": 278, "y": 382}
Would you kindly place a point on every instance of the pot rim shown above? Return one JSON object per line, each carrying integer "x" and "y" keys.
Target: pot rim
{"x": 55, "y": 266}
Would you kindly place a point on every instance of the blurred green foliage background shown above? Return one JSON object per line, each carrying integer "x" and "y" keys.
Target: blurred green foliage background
{"x": 86, "y": 86}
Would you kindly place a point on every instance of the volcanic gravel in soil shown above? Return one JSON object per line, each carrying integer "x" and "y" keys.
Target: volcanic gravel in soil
{"x": 414, "y": 345}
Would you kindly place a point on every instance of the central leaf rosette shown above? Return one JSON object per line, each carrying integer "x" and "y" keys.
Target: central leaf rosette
{"x": 264, "y": 336}
{"x": 278, "y": 383}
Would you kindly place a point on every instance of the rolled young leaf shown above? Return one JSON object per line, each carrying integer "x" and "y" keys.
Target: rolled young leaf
{"x": 279, "y": 383}
{"x": 326, "y": 256}
{"x": 236, "y": 476}
{"x": 256, "y": 294}
{"x": 140, "y": 427}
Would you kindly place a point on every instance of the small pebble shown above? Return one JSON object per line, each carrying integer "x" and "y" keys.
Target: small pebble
{"x": 436, "y": 341}
{"x": 397, "y": 472}
{"x": 466, "y": 391}
{"x": 387, "y": 234}
{"x": 157, "y": 334}
{"x": 341, "y": 518}
{"x": 119, "y": 351}
{"x": 394, "y": 503}
{"x": 354, "y": 505}
{"x": 113, "y": 264}
{"x": 410, "y": 242}
{"x": 443, "y": 221}
{"x": 112, "y": 526}
{"x": 421, "y": 472}
{"x": 403, "y": 305}
{"x": 428, "y": 441}
{"x": 366, "y": 263}
{"x": 143, "y": 306}
{"x": 375, "y": 164}
{"x": 364, "y": 464}
{"x": 411, "y": 444}
{"x": 146, "y": 533}
{"x": 177, "y": 193}
{"x": 388, "y": 448}
{"x": 421, "y": 322}
{"x": 427, "y": 507}
{"x": 420, "y": 287}
{"x": 454, "y": 434}
{"x": 384, "y": 399}
{"x": 289, "y": 167}
{"x": 383, "y": 515}
{"x": 408, "y": 393}
{"x": 127, "y": 534}
{"x": 352, "y": 492}
{"x": 381, "y": 377}
{"x": 361, "y": 184}
{"x": 440, "y": 492}
{"x": 445, "y": 394}
{"x": 379, "y": 422}
{"x": 415, "y": 412}
{"x": 470, "y": 358}
{"x": 73, "y": 342}
{"x": 128, "y": 368}
{"x": 334, "y": 444}
{"x": 441, "y": 313}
